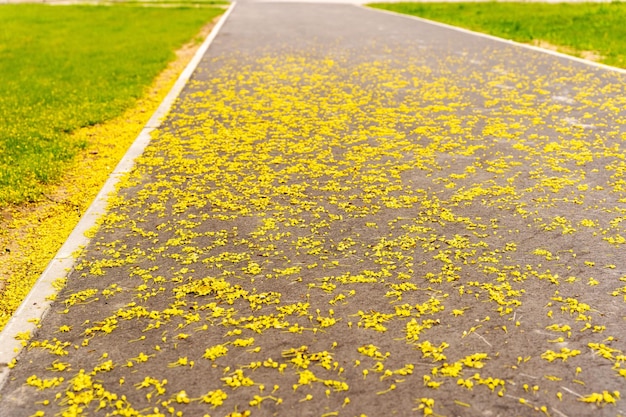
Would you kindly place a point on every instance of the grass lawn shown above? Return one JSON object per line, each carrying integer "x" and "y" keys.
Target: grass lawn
{"x": 30, "y": 234}
{"x": 574, "y": 27}
{"x": 66, "y": 67}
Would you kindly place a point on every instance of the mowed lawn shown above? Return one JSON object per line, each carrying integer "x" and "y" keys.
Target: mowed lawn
{"x": 574, "y": 27}
{"x": 66, "y": 67}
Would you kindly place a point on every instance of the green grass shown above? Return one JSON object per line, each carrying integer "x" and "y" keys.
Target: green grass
{"x": 66, "y": 67}
{"x": 195, "y": 3}
{"x": 597, "y": 27}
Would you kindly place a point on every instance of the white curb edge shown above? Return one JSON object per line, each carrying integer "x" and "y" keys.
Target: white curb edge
{"x": 495, "y": 38}
{"x": 36, "y": 303}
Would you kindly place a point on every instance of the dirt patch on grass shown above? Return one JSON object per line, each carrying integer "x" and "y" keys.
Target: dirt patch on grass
{"x": 588, "y": 55}
{"x": 31, "y": 234}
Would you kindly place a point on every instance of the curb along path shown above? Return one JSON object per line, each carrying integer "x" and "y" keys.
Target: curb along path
{"x": 354, "y": 213}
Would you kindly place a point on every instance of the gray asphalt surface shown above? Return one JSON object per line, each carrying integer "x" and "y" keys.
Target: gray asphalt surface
{"x": 354, "y": 213}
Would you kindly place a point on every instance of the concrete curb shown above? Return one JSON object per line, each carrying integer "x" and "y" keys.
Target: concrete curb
{"x": 502, "y": 40}
{"x": 37, "y": 303}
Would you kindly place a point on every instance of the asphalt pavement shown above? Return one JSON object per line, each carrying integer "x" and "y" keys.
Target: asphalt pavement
{"x": 351, "y": 212}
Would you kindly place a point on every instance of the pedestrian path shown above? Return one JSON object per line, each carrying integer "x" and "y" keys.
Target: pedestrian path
{"x": 349, "y": 212}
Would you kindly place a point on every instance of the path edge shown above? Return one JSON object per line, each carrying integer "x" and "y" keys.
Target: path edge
{"x": 38, "y": 301}
{"x": 498, "y": 39}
